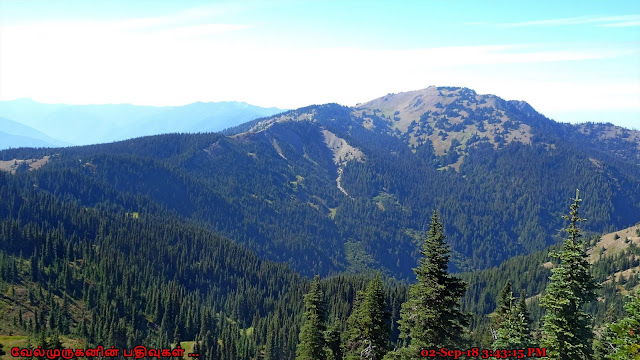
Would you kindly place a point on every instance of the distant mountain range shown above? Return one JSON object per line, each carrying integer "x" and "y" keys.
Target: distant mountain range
{"x": 330, "y": 188}
{"x": 93, "y": 124}
{"x": 14, "y": 134}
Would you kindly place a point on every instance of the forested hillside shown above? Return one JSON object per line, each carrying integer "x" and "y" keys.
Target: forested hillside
{"x": 615, "y": 266}
{"x": 124, "y": 279}
{"x": 330, "y": 188}
{"x": 73, "y": 276}
{"x": 211, "y": 239}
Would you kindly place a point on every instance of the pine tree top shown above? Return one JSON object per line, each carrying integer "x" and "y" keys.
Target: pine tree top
{"x": 567, "y": 328}
{"x": 431, "y": 316}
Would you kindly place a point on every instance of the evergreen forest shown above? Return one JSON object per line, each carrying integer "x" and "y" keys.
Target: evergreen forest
{"x": 330, "y": 232}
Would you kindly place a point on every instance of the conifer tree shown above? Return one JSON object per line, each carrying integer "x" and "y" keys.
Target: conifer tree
{"x": 503, "y": 307}
{"x": 312, "y": 342}
{"x": 369, "y": 331}
{"x": 625, "y": 333}
{"x": 35, "y": 270}
{"x": 332, "y": 339}
{"x": 523, "y": 312}
{"x": 514, "y": 331}
{"x": 55, "y": 342}
{"x": 567, "y": 332}
{"x": 271, "y": 349}
{"x": 197, "y": 349}
{"x": 505, "y": 301}
{"x": 602, "y": 342}
{"x": 177, "y": 337}
{"x": 431, "y": 316}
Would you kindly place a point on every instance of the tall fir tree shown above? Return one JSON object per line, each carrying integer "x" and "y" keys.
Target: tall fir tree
{"x": 312, "y": 341}
{"x": 431, "y": 317}
{"x": 523, "y": 314}
{"x": 514, "y": 331}
{"x": 505, "y": 302}
{"x": 567, "y": 332}
{"x": 369, "y": 325}
{"x": 503, "y": 306}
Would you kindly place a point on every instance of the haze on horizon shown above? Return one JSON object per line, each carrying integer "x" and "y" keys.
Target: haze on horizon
{"x": 572, "y": 61}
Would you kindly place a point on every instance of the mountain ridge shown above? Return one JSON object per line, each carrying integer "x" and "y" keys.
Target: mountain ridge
{"x": 281, "y": 185}
{"x": 15, "y": 134}
{"x": 485, "y": 115}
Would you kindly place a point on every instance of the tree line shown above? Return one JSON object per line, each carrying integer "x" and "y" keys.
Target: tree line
{"x": 431, "y": 318}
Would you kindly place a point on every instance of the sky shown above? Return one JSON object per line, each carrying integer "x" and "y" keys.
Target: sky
{"x": 573, "y": 61}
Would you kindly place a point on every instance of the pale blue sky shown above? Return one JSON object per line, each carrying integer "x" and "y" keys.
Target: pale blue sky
{"x": 572, "y": 60}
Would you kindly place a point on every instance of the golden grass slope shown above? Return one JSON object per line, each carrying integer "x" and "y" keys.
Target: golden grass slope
{"x": 32, "y": 164}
